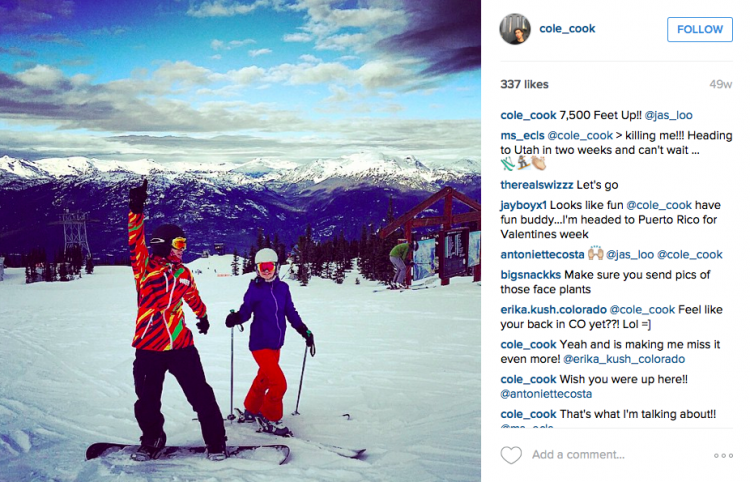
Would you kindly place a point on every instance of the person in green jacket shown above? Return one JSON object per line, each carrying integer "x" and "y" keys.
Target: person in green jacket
{"x": 398, "y": 257}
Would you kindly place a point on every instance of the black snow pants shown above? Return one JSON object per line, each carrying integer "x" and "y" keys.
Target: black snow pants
{"x": 149, "y": 369}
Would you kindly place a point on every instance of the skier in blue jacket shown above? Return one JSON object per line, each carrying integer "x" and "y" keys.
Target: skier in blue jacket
{"x": 269, "y": 300}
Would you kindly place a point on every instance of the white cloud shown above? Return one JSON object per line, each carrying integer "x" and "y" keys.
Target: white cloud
{"x": 311, "y": 59}
{"x": 42, "y": 76}
{"x": 304, "y": 73}
{"x": 339, "y": 94}
{"x": 379, "y": 73}
{"x": 342, "y": 42}
{"x": 364, "y": 17}
{"x": 232, "y": 44}
{"x": 255, "y": 53}
{"x": 325, "y": 22}
{"x": 298, "y": 37}
{"x": 246, "y": 75}
{"x": 391, "y": 108}
{"x": 184, "y": 73}
{"x": 224, "y": 8}
{"x": 79, "y": 80}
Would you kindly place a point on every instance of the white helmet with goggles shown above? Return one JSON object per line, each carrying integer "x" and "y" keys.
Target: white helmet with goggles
{"x": 266, "y": 255}
{"x": 265, "y": 264}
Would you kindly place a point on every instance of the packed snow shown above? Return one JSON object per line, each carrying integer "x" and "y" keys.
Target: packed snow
{"x": 397, "y": 373}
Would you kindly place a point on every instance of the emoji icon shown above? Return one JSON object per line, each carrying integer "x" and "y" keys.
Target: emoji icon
{"x": 599, "y": 253}
{"x": 522, "y": 162}
{"x": 538, "y": 162}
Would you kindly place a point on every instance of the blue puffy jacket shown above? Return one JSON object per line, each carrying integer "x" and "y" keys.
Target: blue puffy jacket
{"x": 270, "y": 304}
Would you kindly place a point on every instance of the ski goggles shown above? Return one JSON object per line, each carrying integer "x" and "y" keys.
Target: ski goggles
{"x": 179, "y": 243}
{"x": 267, "y": 266}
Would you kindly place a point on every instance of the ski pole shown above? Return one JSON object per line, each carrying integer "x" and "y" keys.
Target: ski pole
{"x": 231, "y": 382}
{"x": 299, "y": 392}
{"x": 231, "y": 377}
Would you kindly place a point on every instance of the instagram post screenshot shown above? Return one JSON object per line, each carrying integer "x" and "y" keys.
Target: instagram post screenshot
{"x": 615, "y": 229}
{"x": 240, "y": 240}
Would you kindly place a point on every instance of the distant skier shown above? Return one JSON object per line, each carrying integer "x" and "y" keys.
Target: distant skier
{"x": 162, "y": 340}
{"x": 398, "y": 257}
{"x": 269, "y": 300}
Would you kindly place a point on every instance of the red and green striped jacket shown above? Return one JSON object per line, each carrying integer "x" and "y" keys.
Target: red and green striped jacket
{"x": 161, "y": 285}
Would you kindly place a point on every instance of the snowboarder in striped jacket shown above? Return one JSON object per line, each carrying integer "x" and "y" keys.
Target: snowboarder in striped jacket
{"x": 162, "y": 340}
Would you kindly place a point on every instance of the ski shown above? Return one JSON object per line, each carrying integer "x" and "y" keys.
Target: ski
{"x": 427, "y": 283}
{"x": 386, "y": 289}
{"x": 421, "y": 287}
{"x": 342, "y": 451}
{"x": 123, "y": 452}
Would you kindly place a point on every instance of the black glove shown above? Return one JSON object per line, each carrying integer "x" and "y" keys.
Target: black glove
{"x": 203, "y": 325}
{"x": 138, "y": 198}
{"x": 233, "y": 319}
{"x": 309, "y": 338}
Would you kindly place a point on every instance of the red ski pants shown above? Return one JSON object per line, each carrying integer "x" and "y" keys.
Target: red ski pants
{"x": 266, "y": 394}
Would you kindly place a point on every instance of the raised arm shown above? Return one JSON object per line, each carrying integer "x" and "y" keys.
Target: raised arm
{"x": 136, "y": 231}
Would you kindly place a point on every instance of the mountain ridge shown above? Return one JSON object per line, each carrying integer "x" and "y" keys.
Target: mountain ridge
{"x": 216, "y": 203}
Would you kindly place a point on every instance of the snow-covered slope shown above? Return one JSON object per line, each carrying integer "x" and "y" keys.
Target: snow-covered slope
{"x": 405, "y": 367}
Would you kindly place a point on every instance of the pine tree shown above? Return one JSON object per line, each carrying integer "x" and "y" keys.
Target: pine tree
{"x": 63, "y": 271}
{"x": 251, "y": 259}
{"x": 339, "y": 273}
{"x": 260, "y": 239}
{"x": 246, "y": 264}
{"x": 281, "y": 251}
{"x": 37, "y": 257}
{"x": 303, "y": 275}
{"x": 235, "y": 263}
{"x": 48, "y": 275}
{"x": 301, "y": 258}
{"x": 74, "y": 256}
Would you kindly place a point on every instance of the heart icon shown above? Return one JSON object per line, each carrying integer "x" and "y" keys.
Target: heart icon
{"x": 511, "y": 455}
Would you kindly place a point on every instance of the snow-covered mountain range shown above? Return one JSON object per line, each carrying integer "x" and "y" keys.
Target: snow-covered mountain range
{"x": 217, "y": 202}
{"x": 377, "y": 169}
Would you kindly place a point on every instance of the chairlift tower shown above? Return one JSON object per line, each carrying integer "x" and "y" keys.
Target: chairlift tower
{"x": 74, "y": 229}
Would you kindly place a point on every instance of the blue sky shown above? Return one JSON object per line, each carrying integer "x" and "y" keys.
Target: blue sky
{"x": 232, "y": 80}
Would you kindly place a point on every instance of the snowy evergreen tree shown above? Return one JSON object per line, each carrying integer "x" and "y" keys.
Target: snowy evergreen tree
{"x": 49, "y": 273}
{"x": 235, "y": 263}
{"x": 251, "y": 259}
{"x": 74, "y": 257}
{"x": 246, "y": 264}
{"x": 63, "y": 272}
{"x": 260, "y": 239}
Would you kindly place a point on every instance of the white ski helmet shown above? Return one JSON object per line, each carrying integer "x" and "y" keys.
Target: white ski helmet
{"x": 266, "y": 255}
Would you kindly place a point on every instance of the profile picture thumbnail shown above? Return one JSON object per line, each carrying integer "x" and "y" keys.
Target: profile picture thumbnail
{"x": 515, "y": 29}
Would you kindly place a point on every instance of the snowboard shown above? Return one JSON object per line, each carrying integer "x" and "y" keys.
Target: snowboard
{"x": 267, "y": 453}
